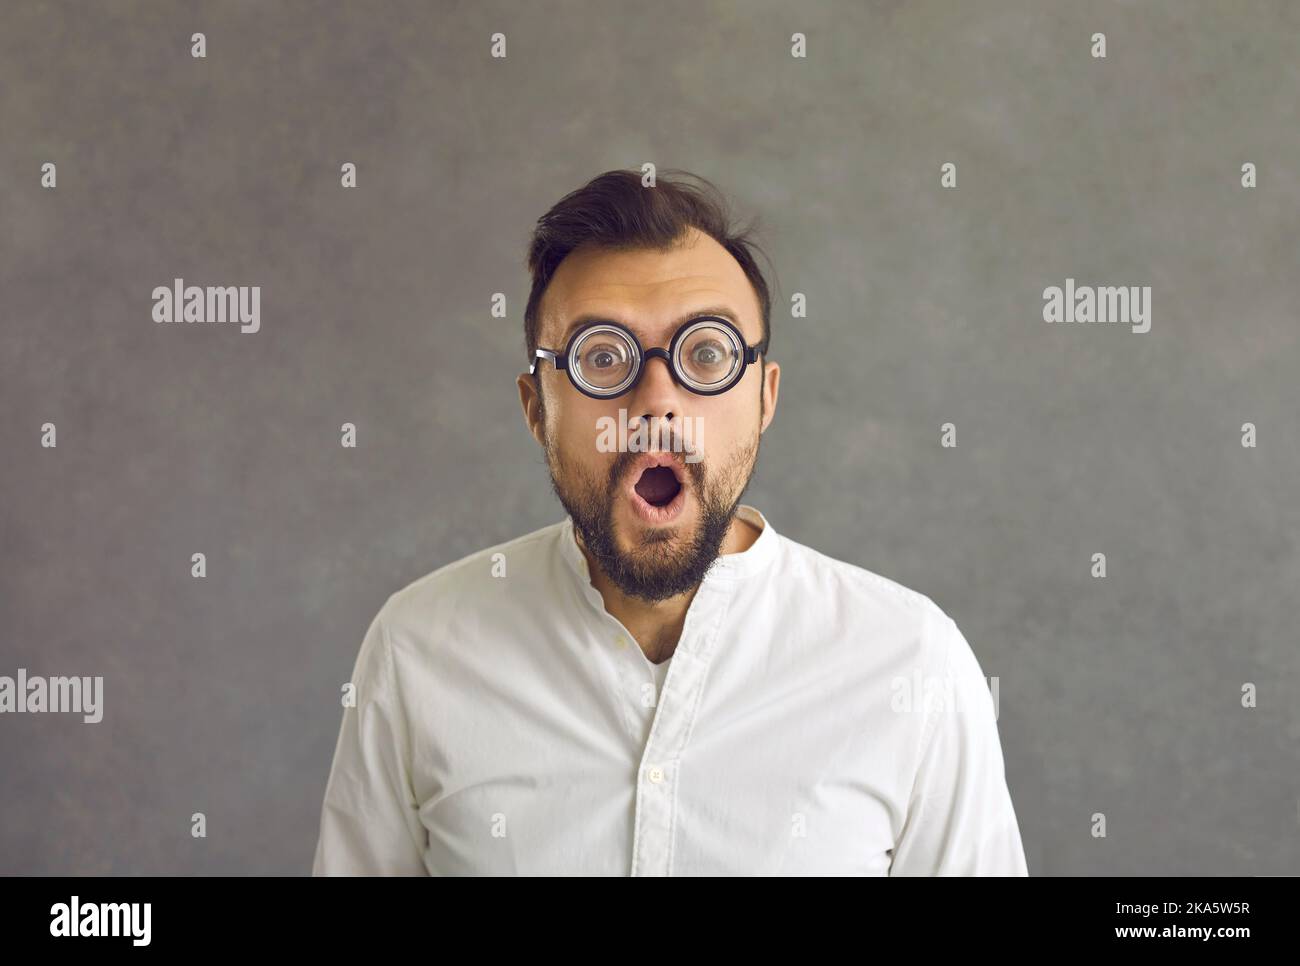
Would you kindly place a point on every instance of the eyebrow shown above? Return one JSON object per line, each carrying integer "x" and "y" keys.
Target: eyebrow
{"x": 721, "y": 311}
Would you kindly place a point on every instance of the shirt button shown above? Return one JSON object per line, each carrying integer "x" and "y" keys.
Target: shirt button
{"x": 656, "y": 774}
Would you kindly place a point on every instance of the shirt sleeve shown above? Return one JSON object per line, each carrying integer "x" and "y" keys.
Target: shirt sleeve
{"x": 370, "y": 822}
{"x": 960, "y": 820}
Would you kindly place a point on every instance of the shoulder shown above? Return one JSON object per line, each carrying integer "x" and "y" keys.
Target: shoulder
{"x": 855, "y": 586}
{"x": 468, "y": 583}
{"x": 871, "y": 608}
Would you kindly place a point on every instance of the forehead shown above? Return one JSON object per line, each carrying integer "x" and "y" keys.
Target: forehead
{"x": 650, "y": 292}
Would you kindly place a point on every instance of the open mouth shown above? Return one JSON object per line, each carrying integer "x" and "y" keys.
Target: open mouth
{"x": 657, "y": 490}
{"x": 658, "y": 486}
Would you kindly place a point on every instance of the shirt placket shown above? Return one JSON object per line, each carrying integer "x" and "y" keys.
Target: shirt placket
{"x": 658, "y": 774}
{"x": 673, "y": 714}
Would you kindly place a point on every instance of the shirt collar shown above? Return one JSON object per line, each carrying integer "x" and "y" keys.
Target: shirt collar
{"x": 730, "y": 566}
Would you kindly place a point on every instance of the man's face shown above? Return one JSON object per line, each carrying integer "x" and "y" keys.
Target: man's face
{"x": 654, "y": 536}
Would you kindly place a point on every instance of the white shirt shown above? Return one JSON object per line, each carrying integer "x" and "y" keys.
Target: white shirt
{"x": 660, "y": 672}
{"x": 508, "y": 725}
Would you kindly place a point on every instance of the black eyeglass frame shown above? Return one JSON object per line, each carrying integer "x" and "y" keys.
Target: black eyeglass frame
{"x": 562, "y": 360}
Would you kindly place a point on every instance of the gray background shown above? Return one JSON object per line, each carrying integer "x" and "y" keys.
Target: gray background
{"x": 1119, "y": 696}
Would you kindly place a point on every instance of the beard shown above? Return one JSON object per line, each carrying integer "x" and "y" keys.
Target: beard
{"x": 661, "y": 565}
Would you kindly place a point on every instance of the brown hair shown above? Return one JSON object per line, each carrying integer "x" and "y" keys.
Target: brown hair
{"x": 613, "y": 210}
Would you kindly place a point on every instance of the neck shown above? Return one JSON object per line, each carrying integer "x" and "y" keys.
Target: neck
{"x": 657, "y": 626}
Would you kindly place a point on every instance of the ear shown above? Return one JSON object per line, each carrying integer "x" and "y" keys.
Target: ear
{"x": 531, "y": 400}
{"x": 771, "y": 383}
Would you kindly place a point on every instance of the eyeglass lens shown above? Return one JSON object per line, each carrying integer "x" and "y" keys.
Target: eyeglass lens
{"x": 605, "y": 359}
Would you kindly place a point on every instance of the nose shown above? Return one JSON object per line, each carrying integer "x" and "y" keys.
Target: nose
{"x": 657, "y": 394}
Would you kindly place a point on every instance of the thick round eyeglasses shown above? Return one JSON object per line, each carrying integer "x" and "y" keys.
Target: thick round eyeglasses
{"x": 707, "y": 355}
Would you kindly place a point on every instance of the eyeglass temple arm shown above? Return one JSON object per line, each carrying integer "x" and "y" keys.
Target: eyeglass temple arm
{"x": 557, "y": 360}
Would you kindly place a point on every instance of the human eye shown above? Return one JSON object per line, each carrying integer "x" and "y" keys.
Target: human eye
{"x": 603, "y": 355}
{"x": 710, "y": 354}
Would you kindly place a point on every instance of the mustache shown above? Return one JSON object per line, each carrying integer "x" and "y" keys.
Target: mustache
{"x": 667, "y": 436}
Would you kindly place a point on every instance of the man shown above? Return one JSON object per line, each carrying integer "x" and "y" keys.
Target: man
{"x": 661, "y": 684}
